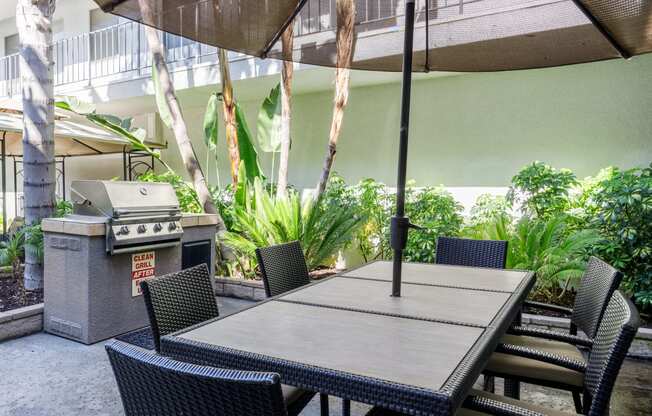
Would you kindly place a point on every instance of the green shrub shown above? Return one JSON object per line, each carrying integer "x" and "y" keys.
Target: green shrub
{"x": 438, "y": 213}
{"x": 186, "y": 194}
{"x": 541, "y": 191}
{"x": 619, "y": 206}
{"x": 264, "y": 220}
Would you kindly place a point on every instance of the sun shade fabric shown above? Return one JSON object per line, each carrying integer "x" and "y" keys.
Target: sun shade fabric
{"x": 450, "y": 35}
{"x": 73, "y": 136}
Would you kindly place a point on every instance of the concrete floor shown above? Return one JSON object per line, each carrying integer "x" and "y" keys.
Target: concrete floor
{"x": 44, "y": 375}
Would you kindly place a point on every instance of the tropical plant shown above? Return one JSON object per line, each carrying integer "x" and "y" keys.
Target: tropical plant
{"x": 262, "y": 220}
{"x": 268, "y": 131}
{"x": 619, "y": 206}
{"x": 34, "y": 23}
{"x": 63, "y": 208}
{"x": 541, "y": 191}
{"x": 211, "y": 134}
{"x": 188, "y": 201}
{"x": 12, "y": 253}
{"x": 557, "y": 257}
{"x": 487, "y": 207}
{"x": 344, "y": 44}
{"x": 438, "y": 213}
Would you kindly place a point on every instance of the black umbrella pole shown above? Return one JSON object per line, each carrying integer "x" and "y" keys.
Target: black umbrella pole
{"x": 400, "y": 223}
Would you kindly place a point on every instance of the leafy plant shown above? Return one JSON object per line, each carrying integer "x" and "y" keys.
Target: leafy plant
{"x": 62, "y": 208}
{"x": 211, "y": 132}
{"x": 541, "y": 191}
{"x": 264, "y": 220}
{"x": 246, "y": 148}
{"x": 116, "y": 125}
{"x": 268, "y": 130}
{"x": 186, "y": 195}
{"x": 438, "y": 213}
{"x": 12, "y": 253}
{"x": 619, "y": 206}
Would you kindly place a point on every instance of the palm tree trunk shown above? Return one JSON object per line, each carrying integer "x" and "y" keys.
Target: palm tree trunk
{"x": 287, "y": 40}
{"x": 34, "y": 23}
{"x": 178, "y": 123}
{"x": 344, "y": 42}
{"x": 230, "y": 125}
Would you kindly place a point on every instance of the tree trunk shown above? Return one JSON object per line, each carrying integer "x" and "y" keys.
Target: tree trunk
{"x": 287, "y": 73}
{"x": 344, "y": 42}
{"x": 178, "y": 123}
{"x": 34, "y": 23}
{"x": 230, "y": 125}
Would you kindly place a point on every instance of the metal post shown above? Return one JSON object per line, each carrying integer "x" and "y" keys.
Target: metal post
{"x": 4, "y": 186}
{"x": 400, "y": 223}
{"x": 124, "y": 164}
{"x": 63, "y": 176}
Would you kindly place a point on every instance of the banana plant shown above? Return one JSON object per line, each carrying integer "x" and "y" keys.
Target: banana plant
{"x": 211, "y": 129}
{"x": 268, "y": 130}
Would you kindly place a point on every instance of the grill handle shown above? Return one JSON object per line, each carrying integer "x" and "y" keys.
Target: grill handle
{"x": 144, "y": 247}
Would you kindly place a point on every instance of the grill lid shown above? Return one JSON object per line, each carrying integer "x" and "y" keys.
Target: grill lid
{"x": 116, "y": 199}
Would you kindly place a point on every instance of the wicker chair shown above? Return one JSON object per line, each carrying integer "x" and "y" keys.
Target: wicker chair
{"x": 178, "y": 300}
{"x": 474, "y": 253}
{"x": 614, "y": 336}
{"x": 552, "y": 358}
{"x": 153, "y": 385}
{"x": 283, "y": 267}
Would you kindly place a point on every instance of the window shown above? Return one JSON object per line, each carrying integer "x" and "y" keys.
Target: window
{"x": 12, "y": 44}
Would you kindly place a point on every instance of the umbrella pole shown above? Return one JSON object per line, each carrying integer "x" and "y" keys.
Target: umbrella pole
{"x": 400, "y": 223}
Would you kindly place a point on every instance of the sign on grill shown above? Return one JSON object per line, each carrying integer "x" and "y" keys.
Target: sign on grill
{"x": 142, "y": 267}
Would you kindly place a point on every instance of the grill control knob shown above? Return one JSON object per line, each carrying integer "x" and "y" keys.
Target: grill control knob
{"x": 123, "y": 230}
{"x": 157, "y": 227}
{"x": 172, "y": 226}
{"x": 142, "y": 228}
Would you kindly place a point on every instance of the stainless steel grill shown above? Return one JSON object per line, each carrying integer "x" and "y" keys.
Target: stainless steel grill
{"x": 139, "y": 215}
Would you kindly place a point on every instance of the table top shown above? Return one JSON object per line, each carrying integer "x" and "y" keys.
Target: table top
{"x": 347, "y": 337}
{"x": 441, "y": 275}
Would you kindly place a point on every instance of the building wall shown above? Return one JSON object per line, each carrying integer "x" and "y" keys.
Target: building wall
{"x": 474, "y": 130}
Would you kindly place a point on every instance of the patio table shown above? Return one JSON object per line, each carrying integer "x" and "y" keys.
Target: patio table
{"x": 345, "y": 336}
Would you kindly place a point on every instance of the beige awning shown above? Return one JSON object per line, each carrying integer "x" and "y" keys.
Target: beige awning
{"x": 74, "y": 135}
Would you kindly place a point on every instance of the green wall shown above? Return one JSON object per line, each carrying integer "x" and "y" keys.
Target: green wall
{"x": 474, "y": 130}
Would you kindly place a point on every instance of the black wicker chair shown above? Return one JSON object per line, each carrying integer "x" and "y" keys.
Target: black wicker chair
{"x": 178, "y": 300}
{"x": 474, "y": 253}
{"x": 614, "y": 337}
{"x": 283, "y": 267}
{"x": 552, "y": 358}
{"x": 153, "y": 385}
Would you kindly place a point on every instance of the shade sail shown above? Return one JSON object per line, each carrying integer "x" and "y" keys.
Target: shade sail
{"x": 74, "y": 136}
{"x": 450, "y": 35}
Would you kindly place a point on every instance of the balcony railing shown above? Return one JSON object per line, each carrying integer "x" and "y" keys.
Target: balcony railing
{"x": 123, "y": 48}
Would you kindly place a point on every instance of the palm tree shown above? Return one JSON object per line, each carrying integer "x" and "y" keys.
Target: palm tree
{"x": 230, "y": 121}
{"x": 170, "y": 111}
{"x": 287, "y": 41}
{"x": 344, "y": 44}
{"x": 34, "y": 23}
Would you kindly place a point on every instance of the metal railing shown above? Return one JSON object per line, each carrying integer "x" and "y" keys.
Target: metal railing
{"x": 123, "y": 48}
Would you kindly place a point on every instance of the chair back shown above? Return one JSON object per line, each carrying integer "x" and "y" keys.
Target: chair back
{"x": 178, "y": 300}
{"x": 474, "y": 253}
{"x": 283, "y": 267}
{"x": 153, "y": 385}
{"x": 614, "y": 336}
{"x": 598, "y": 283}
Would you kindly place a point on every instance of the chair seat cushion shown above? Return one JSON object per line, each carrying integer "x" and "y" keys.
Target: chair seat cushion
{"x": 527, "y": 368}
{"x": 519, "y": 403}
